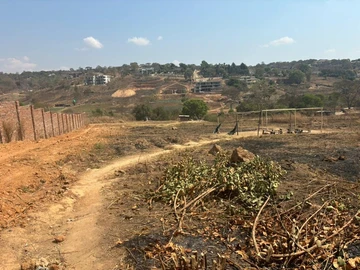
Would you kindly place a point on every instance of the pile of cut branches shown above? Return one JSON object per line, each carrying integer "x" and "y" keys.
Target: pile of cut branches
{"x": 307, "y": 234}
{"x": 242, "y": 186}
{"x": 314, "y": 232}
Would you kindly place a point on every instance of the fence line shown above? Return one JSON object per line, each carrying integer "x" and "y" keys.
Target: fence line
{"x": 19, "y": 123}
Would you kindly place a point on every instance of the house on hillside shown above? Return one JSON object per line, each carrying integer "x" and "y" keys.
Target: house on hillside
{"x": 207, "y": 85}
{"x": 146, "y": 70}
{"x": 248, "y": 79}
{"x": 97, "y": 80}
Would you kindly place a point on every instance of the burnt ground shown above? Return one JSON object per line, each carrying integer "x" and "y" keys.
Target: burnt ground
{"x": 137, "y": 230}
{"x": 141, "y": 229}
{"x": 334, "y": 153}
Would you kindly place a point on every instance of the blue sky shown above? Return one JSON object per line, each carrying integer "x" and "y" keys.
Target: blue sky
{"x": 54, "y": 34}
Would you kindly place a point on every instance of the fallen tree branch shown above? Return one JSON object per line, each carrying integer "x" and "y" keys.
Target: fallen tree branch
{"x": 316, "y": 245}
{"x": 180, "y": 230}
{"x": 202, "y": 195}
{"x": 175, "y": 212}
{"x": 114, "y": 201}
{"x": 289, "y": 235}
{"x": 254, "y": 228}
{"x": 306, "y": 199}
{"x": 308, "y": 219}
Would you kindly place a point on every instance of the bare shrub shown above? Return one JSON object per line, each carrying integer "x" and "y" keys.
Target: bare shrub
{"x": 8, "y": 129}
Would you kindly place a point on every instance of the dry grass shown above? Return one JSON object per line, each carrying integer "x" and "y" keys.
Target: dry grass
{"x": 8, "y": 130}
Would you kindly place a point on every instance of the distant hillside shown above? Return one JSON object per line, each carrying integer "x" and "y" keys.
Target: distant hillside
{"x": 328, "y": 83}
{"x": 64, "y": 79}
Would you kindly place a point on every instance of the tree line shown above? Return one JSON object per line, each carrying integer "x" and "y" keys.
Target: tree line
{"x": 194, "y": 108}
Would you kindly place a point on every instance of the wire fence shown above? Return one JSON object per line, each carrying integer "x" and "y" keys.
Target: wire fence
{"x": 18, "y": 123}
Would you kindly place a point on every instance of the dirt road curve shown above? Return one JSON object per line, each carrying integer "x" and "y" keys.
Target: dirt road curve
{"x": 62, "y": 207}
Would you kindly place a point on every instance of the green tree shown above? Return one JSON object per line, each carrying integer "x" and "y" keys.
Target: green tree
{"x": 134, "y": 67}
{"x": 234, "y": 88}
{"x": 188, "y": 73}
{"x": 247, "y": 106}
{"x": 275, "y": 72}
{"x": 196, "y": 108}
{"x": 259, "y": 71}
{"x": 141, "y": 112}
{"x": 243, "y": 69}
{"x": 259, "y": 97}
{"x": 332, "y": 100}
{"x": 306, "y": 69}
{"x": 310, "y": 100}
{"x": 159, "y": 113}
{"x": 350, "y": 91}
{"x": 231, "y": 92}
{"x": 296, "y": 77}
{"x": 236, "y": 83}
{"x": 207, "y": 70}
{"x": 183, "y": 67}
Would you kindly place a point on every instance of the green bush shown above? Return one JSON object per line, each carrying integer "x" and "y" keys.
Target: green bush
{"x": 142, "y": 112}
{"x": 196, "y": 108}
{"x": 98, "y": 112}
{"x": 247, "y": 184}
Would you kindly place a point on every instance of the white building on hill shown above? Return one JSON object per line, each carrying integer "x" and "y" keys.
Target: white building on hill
{"x": 97, "y": 80}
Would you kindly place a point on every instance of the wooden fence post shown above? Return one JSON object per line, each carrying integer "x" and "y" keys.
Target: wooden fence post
{"x": 44, "y": 124}
{"x": 20, "y": 129}
{"x": 77, "y": 121}
{"x": 33, "y": 121}
{"x": 67, "y": 123}
{"x": 73, "y": 121}
{"x": 58, "y": 121}
{"x": 52, "y": 124}
{"x": 70, "y": 123}
{"x": 63, "y": 124}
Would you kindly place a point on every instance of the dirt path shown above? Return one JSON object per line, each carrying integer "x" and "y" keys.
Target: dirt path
{"x": 75, "y": 216}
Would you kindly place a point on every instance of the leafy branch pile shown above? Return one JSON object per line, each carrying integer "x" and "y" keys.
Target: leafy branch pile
{"x": 246, "y": 184}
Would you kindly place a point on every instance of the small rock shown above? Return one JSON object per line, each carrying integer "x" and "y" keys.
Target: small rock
{"x": 341, "y": 158}
{"x": 174, "y": 128}
{"x": 59, "y": 239}
{"x": 118, "y": 243}
{"x": 30, "y": 265}
{"x": 330, "y": 159}
{"x": 54, "y": 267}
{"x": 215, "y": 149}
{"x": 241, "y": 155}
{"x": 119, "y": 172}
{"x": 42, "y": 262}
